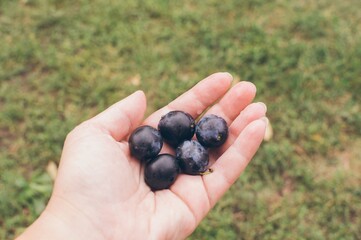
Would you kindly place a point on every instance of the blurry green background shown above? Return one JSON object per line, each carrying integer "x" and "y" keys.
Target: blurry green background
{"x": 63, "y": 61}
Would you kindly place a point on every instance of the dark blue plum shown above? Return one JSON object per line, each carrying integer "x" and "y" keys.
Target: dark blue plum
{"x": 145, "y": 143}
{"x": 161, "y": 172}
{"x": 212, "y": 131}
{"x": 193, "y": 158}
{"x": 176, "y": 127}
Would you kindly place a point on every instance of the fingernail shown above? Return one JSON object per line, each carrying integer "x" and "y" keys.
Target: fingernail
{"x": 265, "y": 120}
{"x": 229, "y": 75}
{"x": 264, "y": 105}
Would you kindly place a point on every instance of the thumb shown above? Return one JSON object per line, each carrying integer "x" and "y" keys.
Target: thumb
{"x": 123, "y": 116}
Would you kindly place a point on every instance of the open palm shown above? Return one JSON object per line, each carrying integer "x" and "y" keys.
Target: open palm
{"x": 100, "y": 191}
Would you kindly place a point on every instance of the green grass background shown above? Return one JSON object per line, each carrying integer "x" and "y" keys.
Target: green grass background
{"x": 63, "y": 61}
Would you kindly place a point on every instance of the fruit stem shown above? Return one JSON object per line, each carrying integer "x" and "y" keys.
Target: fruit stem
{"x": 208, "y": 171}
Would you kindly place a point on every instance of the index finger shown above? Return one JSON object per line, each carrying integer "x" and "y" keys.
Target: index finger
{"x": 197, "y": 99}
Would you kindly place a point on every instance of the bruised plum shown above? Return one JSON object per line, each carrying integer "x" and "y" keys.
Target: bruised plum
{"x": 193, "y": 158}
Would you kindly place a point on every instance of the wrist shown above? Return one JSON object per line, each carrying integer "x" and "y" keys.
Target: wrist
{"x": 60, "y": 223}
{"x": 46, "y": 227}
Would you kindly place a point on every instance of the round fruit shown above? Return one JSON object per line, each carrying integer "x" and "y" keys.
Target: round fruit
{"x": 192, "y": 157}
{"x": 145, "y": 143}
{"x": 176, "y": 126}
{"x": 212, "y": 131}
{"x": 161, "y": 172}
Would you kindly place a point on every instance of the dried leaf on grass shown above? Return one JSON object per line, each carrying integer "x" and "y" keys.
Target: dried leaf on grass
{"x": 135, "y": 80}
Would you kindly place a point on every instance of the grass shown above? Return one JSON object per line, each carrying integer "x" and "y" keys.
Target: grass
{"x": 63, "y": 61}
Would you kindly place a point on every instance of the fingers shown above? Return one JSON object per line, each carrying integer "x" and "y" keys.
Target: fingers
{"x": 236, "y": 108}
{"x": 234, "y": 101}
{"x": 197, "y": 99}
{"x": 252, "y": 112}
{"x": 120, "y": 118}
{"x": 200, "y": 193}
{"x": 231, "y": 164}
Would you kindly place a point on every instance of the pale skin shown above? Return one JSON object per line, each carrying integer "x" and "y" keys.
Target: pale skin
{"x": 100, "y": 193}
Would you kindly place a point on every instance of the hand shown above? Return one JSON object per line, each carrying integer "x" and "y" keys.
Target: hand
{"x": 100, "y": 192}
